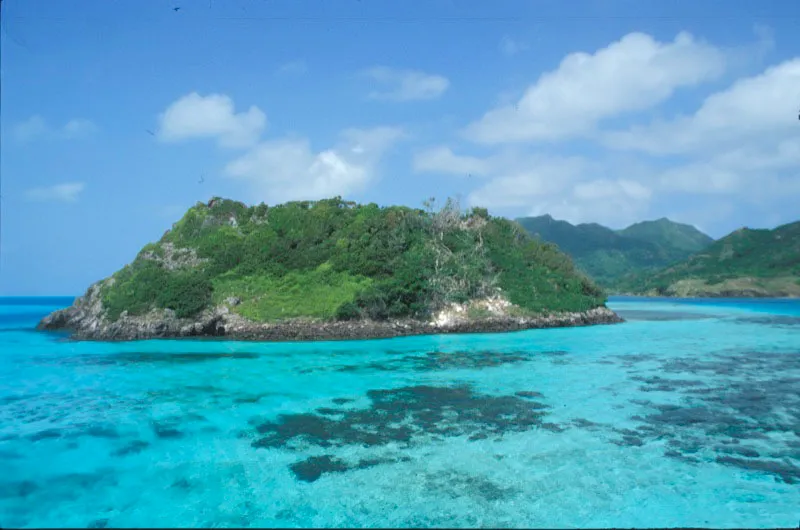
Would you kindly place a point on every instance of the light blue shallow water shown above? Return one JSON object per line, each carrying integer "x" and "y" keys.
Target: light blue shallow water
{"x": 686, "y": 415}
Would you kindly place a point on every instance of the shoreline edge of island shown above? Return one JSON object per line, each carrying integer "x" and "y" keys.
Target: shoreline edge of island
{"x": 83, "y": 324}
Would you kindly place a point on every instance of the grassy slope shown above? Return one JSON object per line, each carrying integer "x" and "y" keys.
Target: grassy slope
{"x": 607, "y": 256}
{"x": 761, "y": 261}
{"x": 333, "y": 259}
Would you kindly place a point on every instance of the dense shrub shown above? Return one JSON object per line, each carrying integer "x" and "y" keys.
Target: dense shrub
{"x": 187, "y": 293}
{"x": 337, "y": 259}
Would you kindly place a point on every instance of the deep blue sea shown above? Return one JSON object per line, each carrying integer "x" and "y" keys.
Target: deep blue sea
{"x": 688, "y": 414}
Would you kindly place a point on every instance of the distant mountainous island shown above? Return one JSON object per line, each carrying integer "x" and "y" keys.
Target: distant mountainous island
{"x": 333, "y": 269}
{"x": 664, "y": 258}
{"x": 747, "y": 262}
{"x": 607, "y": 256}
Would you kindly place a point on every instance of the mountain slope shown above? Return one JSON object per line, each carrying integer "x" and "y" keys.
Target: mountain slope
{"x": 607, "y": 255}
{"x": 669, "y": 235}
{"x": 746, "y": 262}
{"x": 226, "y": 269}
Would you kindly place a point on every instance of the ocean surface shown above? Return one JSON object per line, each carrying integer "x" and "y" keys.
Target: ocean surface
{"x": 688, "y": 414}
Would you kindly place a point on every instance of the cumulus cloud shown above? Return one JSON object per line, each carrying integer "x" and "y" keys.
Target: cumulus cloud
{"x": 194, "y": 116}
{"x": 573, "y": 188}
{"x": 442, "y": 160}
{"x": 758, "y": 109}
{"x": 615, "y": 203}
{"x": 531, "y": 178}
{"x": 742, "y": 142}
{"x": 67, "y": 192}
{"x": 37, "y": 127}
{"x": 289, "y": 169}
{"x": 740, "y": 146}
{"x": 406, "y": 85}
{"x": 632, "y": 74}
{"x": 749, "y": 174}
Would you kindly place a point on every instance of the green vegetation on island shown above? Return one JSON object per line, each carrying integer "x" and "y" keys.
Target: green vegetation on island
{"x": 746, "y": 262}
{"x": 609, "y": 256}
{"x": 338, "y": 260}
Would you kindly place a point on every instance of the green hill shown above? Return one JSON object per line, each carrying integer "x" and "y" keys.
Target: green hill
{"x": 672, "y": 236}
{"x": 327, "y": 261}
{"x": 607, "y": 256}
{"x": 746, "y": 262}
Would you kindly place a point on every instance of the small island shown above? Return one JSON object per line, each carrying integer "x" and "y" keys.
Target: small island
{"x": 334, "y": 269}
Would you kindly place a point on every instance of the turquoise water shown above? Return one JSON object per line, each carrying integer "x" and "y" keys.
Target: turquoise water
{"x": 686, "y": 415}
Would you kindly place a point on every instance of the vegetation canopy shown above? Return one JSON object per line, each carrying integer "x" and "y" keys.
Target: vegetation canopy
{"x": 769, "y": 261}
{"x": 334, "y": 259}
{"x": 609, "y": 256}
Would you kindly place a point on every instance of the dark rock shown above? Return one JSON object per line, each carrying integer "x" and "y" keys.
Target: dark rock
{"x": 313, "y": 468}
{"x": 786, "y": 471}
{"x": 137, "y": 446}
{"x": 529, "y": 394}
{"x": 21, "y": 488}
{"x": 166, "y": 431}
{"x": 398, "y": 415}
{"x": 582, "y": 423}
{"x": 45, "y": 435}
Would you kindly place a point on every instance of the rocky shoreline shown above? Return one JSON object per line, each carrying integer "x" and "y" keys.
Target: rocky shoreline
{"x": 85, "y": 321}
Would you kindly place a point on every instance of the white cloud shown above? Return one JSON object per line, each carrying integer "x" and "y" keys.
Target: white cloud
{"x": 614, "y": 203}
{"x": 443, "y": 160}
{"x": 759, "y": 109}
{"x": 67, "y": 192}
{"x": 509, "y": 46}
{"x": 632, "y": 74}
{"x": 213, "y": 116}
{"x": 293, "y": 68}
{"x": 740, "y": 147}
{"x": 530, "y": 178}
{"x": 37, "y": 127}
{"x": 288, "y": 169}
{"x": 569, "y": 187}
{"x": 750, "y": 174}
{"x": 742, "y": 143}
{"x": 406, "y": 85}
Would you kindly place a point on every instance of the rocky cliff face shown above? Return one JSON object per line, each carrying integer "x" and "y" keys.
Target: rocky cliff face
{"x": 86, "y": 320}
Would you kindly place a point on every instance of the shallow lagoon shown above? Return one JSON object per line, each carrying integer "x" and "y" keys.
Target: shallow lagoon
{"x": 686, "y": 415}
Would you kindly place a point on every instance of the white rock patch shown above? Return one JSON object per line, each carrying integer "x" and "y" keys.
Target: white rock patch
{"x": 456, "y": 313}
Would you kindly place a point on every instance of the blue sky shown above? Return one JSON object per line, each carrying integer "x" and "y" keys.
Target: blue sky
{"x": 604, "y": 111}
